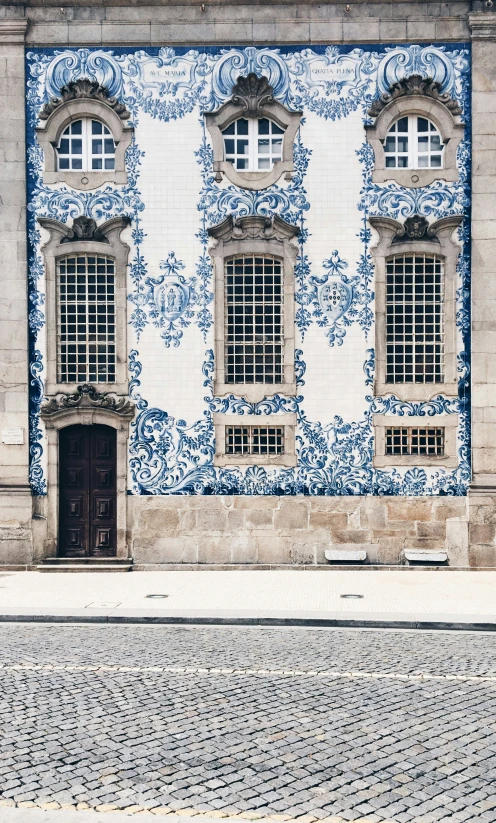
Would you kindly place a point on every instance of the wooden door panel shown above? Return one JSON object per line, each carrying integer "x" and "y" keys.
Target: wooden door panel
{"x": 103, "y": 508}
{"x": 103, "y": 478}
{"x": 88, "y": 491}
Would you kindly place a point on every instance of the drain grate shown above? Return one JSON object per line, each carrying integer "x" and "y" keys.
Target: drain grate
{"x": 156, "y": 596}
{"x": 352, "y": 596}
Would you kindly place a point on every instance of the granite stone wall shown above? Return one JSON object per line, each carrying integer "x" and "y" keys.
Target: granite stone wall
{"x": 270, "y": 530}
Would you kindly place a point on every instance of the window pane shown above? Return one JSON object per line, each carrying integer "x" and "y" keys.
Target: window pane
{"x": 242, "y": 125}
{"x": 415, "y": 441}
{"x": 264, "y": 126}
{"x": 422, "y": 124}
{"x": 414, "y": 319}
{"x": 77, "y": 127}
{"x": 263, "y": 440}
{"x": 85, "y": 315}
{"x": 402, "y": 124}
{"x": 253, "y": 320}
{"x": 96, "y": 127}
{"x": 77, "y": 146}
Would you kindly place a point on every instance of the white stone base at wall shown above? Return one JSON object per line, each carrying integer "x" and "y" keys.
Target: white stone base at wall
{"x": 297, "y": 531}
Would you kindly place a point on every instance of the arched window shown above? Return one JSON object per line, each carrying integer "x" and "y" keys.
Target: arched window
{"x": 252, "y": 135}
{"x": 86, "y": 145}
{"x": 253, "y": 144}
{"x": 413, "y": 142}
{"x": 84, "y": 135}
{"x": 416, "y": 132}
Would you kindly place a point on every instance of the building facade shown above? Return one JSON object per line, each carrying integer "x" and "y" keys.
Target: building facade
{"x": 248, "y": 309}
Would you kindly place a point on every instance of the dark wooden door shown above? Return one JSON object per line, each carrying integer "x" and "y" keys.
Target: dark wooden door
{"x": 88, "y": 492}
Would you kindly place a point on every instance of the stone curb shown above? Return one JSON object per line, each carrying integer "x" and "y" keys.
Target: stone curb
{"x": 486, "y": 623}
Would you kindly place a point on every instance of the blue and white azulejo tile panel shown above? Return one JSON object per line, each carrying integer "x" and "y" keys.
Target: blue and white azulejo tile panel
{"x": 172, "y": 199}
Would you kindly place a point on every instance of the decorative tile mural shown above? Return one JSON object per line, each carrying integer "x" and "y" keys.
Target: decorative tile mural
{"x": 172, "y": 198}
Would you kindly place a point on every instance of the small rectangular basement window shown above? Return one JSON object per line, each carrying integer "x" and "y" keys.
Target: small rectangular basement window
{"x": 415, "y": 441}
{"x": 267, "y": 440}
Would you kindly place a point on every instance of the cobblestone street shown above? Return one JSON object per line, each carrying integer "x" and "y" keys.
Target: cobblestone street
{"x": 291, "y": 723}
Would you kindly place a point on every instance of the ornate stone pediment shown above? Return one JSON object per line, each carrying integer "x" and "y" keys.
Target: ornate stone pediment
{"x": 86, "y": 397}
{"x": 86, "y": 89}
{"x": 252, "y": 227}
{"x": 85, "y": 228}
{"x": 252, "y": 93}
{"x": 415, "y": 228}
{"x": 415, "y": 85}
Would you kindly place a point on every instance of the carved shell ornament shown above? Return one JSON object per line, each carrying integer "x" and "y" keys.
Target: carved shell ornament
{"x": 415, "y": 85}
{"x": 85, "y": 89}
{"x": 252, "y": 93}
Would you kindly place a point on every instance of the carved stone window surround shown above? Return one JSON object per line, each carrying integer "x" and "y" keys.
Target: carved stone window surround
{"x": 61, "y": 244}
{"x": 49, "y": 131}
{"x": 382, "y": 422}
{"x": 288, "y": 421}
{"x": 86, "y": 414}
{"x": 447, "y": 121}
{"x": 262, "y": 236}
{"x": 440, "y": 244}
{"x": 259, "y": 105}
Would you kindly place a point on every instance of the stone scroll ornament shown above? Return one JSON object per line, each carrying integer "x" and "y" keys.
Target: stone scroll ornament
{"x": 87, "y": 397}
{"x": 87, "y": 89}
{"x": 414, "y": 85}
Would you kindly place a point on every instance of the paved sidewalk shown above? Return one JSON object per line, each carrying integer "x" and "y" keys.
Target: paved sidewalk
{"x": 60, "y": 816}
{"x": 406, "y": 599}
{"x": 11, "y": 815}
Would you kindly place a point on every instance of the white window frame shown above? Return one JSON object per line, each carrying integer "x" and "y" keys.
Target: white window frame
{"x": 401, "y": 103}
{"x": 253, "y": 137}
{"x": 413, "y": 153}
{"x": 261, "y": 105}
{"x": 49, "y": 132}
{"x": 87, "y": 138}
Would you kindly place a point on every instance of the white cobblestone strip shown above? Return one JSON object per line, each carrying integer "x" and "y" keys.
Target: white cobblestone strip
{"x": 48, "y": 667}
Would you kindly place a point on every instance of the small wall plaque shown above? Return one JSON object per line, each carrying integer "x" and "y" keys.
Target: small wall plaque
{"x": 13, "y": 437}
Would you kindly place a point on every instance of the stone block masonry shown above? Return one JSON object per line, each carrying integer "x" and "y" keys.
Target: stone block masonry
{"x": 269, "y": 530}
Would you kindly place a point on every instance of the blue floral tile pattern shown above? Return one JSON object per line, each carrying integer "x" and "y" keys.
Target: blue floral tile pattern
{"x": 170, "y": 285}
